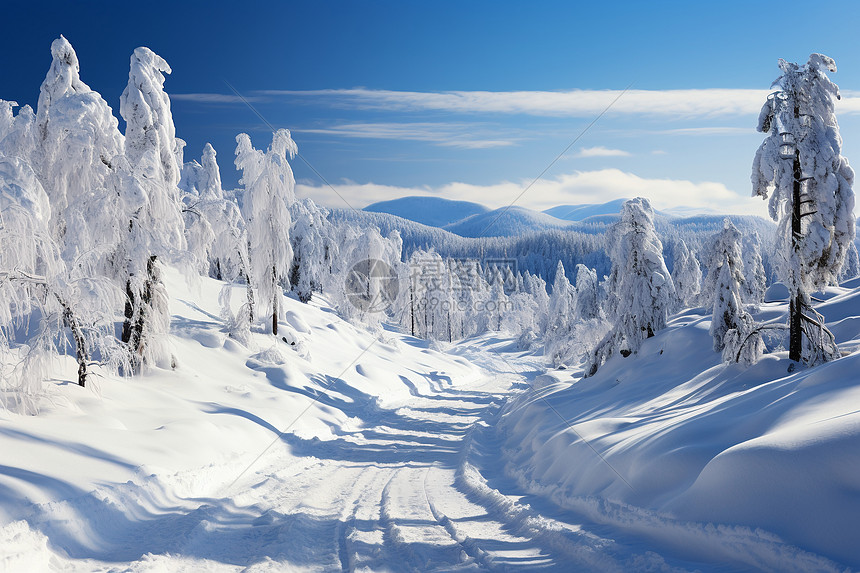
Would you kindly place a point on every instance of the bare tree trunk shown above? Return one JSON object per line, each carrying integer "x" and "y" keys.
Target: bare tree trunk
{"x": 795, "y": 346}
{"x": 136, "y": 314}
{"x": 129, "y": 312}
{"x": 249, "y": 292}
{"x": 275, "y": 302}
{"x": 412, "y": 307}
{"x": 80, "y": 341}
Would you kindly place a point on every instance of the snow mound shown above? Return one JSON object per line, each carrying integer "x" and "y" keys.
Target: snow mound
{"x": 672, "y": 430}
{"x": 777, "y": 292}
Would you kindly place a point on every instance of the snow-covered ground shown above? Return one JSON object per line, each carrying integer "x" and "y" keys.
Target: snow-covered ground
{"x": 347, "y": 452}
{"x": 671, "y": 443}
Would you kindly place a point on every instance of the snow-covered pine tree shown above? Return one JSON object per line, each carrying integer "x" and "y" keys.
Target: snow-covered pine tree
{"x": 640, "y": 289}
{"x": 313, "y": 244}
{"x": 755, "y": 279}
{"x": 269, "y": 192}
{"x": 535, "y": 286}
{"x": 146, "y": 181}
{"x": 851, "y": 268}
{"x": 497, "y": 303}
{"x": 587, "y": 304}
{"x": 724, "y": 246}
{"x": 800, "y": 166}
{"x": 687, "y": 275}
{"x": 561, "y": 318}
{"x": 722, "y": 290}
{"x": 561, "y": 311}
{"x": 196, "y": 183}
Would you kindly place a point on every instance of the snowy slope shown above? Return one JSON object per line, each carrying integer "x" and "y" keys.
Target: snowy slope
{"x": 672, "y": 439}
{"x": 101, "y": 466}
{"x": 433, "y": 211}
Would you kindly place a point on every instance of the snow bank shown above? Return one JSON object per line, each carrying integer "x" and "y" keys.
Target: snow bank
{"x": 676, "y": 433}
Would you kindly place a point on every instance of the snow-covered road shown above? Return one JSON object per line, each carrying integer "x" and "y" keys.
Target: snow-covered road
{"x": 415, "y": 487}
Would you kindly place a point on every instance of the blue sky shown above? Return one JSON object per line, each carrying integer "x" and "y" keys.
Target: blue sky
{"x": 466, "y": 100}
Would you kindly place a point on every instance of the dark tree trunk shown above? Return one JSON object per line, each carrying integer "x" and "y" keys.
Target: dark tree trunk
{"x": 136, "y": 314}
{"x": 412, "y": 307}
{"x": 795, "y": 347}
{"x": 80, "y": 341}
{"x": 275, "y": 302}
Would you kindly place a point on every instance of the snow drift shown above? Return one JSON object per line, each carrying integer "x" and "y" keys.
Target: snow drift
{"x": 675, "y": 432}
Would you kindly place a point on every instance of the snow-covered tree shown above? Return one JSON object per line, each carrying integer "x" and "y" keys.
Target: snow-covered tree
{"x": 561, "y": 309}
{"x": 800, "y": 167}
{"x": 755, "y": 283}
{"x": 497, "y": 303}
{"x": 269, "y": 192}
{"x": 313, "y": 248}
{"x": 587, "y": 304}
{"x": 365, "y": 286}
{"x": 16, "y": 131}
{"x": 851, "y": 268}
{"x": 724, "y": 282}
{"x": 686, "y": 274}
{"x": 640, "y": 289}
{"x": 35, "y": 293}
{"x": 76, "y": 139}
{"x": 535, "y": 286}
{"x": 146, "y": 181}
{"x": 724, "y": 248}
{"x": 200, "y": 183}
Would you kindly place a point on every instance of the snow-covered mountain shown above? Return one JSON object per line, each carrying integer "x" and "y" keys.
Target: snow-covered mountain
{"x": 468, "y": 219}
{"x": 432, "y": 211}
{"x": 506, "y": 222}
{"x": 580, "y": 212}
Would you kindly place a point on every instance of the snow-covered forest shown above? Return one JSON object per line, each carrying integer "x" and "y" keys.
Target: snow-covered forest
{"x": 637, "y": 391}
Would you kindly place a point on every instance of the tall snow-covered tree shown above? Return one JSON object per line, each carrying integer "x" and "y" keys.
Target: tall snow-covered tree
{"x": 687, "y": 275}
{"x": 146, "y": 180}
{"x": 269, "y": 192}
{"x": 801, "y": 168}
{"x": 76, "y": 139}
{"x": 641, "y": 291}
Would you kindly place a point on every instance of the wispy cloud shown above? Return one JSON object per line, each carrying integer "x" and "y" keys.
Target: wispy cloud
{"x": 215, "y": 98}
{"x": 463, "y": 135}
{"x": 681, "y": 103}
{"x": 709, "y": 131}
{"x": 579, "y": 187}
{"x": 601, "y": 151}
{"x": 573, "y": 103}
